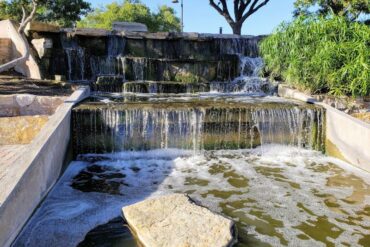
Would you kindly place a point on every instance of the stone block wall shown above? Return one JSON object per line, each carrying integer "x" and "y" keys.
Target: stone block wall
{"x": 28, "y": 105}
{"x": 5, "y": 50}
{"x": 85, "y": 54}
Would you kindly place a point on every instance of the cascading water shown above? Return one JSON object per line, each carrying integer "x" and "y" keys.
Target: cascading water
{"x": 247, "y": 47}
{"x": 250, "y": 65}
{"x": 138, "y": 68}
{"x": 248, "y": 81}
{"x": 250, "y": 158}
{"x": 81, "y": 67}
{"x": 114, "y": 63}
{"x": 103, "y": 128}
{"x": 75, "y": 59}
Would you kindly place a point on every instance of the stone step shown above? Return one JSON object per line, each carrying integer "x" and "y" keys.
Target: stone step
{"x": 201, "y": 48}
{"x": 164, "y": 87}
{"x": 181, "y": 70}
{"x": 5, "y": 50}
{"x": 175, "y": 220}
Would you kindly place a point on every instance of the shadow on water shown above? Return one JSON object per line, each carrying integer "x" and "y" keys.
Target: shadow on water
{"x": 115, "y": 233}
{"x": 89, "y": 196}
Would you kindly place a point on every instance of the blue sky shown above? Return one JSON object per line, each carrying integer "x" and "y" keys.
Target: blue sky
{"x": 200, "y": 17}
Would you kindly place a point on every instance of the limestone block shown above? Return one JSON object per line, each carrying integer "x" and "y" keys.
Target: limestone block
{"x": 42, "y": 105}
{"x": 59, "y": 78}
{"x": 174, "y": 220}
{"x": 94, "y": 32}
{"x": 20, "y": 130}
{"x": 25, "y": 99}
{"x": 129, "y": 27}
{"x": 8, "y": 106}
{"x": 7, "y": 100}
{"x": 42, "y": 46}
{"x": 41, "y": 27}
{"x": 5, "y": 50}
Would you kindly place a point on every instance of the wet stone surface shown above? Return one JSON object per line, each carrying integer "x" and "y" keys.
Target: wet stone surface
{"x": 101, "y": 179}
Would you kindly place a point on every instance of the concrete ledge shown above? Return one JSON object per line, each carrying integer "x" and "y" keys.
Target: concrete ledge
{"x": 34, "y": 173}
{"x": 350, "y": 136}
{"x": 286, "y": 92}
{"x": 35, "y": 26}
{"x": 28, "y": 105}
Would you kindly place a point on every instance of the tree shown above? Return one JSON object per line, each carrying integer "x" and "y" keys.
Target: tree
{"x": 166, "y": 20}
{"x": 26, "y": 18}
{"x": 351, "y": 9}
{"x": 61, "y": 12}
{"x": 132, "y": 11}
{"x": 243, "y": 9}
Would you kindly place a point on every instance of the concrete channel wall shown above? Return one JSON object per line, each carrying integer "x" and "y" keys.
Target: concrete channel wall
{"x": 347, "y": 137}
{"x": 35, "y": 173}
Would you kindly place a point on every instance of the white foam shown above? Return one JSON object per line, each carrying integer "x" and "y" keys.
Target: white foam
{"x": 69, "y": 214}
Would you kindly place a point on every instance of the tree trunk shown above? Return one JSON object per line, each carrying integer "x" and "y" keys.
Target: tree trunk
{"x": 237, "y": 28}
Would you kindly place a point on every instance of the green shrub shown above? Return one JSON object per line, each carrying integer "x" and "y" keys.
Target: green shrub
{"x": 320, "y": 55}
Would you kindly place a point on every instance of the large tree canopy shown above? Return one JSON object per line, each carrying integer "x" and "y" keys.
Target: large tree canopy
{"x": 61, "y": 12}
{"x": 243, "y": 9}
{"x": 351, "y": 9}
{"x": 132, "y": 11}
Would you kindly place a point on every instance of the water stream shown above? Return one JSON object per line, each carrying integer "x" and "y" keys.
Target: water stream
{"x": 229, "y": 145}
{"x": 278, "y": 195}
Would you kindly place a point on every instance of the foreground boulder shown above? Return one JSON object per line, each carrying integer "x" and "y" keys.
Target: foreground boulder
{"x": 174, "y": 220}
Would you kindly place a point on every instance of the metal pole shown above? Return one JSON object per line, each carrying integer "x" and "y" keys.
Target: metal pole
{"x": 182, "y": 15}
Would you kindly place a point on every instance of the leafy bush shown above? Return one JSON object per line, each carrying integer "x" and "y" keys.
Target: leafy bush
{"x": 322, "y": 55}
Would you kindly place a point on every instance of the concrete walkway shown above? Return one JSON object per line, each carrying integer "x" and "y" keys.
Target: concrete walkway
{"x": 8, "y": 155}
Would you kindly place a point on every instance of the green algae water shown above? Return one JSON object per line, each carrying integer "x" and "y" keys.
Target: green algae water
{"x": 278, "y": 195}
{"x": 258, "y": 161}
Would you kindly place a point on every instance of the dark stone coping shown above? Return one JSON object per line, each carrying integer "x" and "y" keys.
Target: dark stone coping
{"x": 10, "y": 85}
{"x": 94, "y": 32}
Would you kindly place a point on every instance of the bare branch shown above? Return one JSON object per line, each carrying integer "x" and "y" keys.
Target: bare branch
{"x": 224, "y": 11}
{"x": 23, "y": 14}
{"x": 253, "y": 9}
{"x": 242, "y": 10}
{"x": 26, "y": 20}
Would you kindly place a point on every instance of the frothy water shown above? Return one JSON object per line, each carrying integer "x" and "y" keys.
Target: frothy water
{"x": 278, "y": 195}
{"x": 248, "y": 81}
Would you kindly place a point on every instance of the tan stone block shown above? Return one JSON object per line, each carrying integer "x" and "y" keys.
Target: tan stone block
{"x": 7, "y": 100}
{"x": 20, "y": 130}
{"x": 5, "y": 50}
{"x": 41, "y": 27}
{"x": 174, "y": 220}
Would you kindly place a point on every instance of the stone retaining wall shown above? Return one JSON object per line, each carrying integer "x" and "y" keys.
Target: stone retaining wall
{"x": 5, "y": 50}
{"x": 83, "y": 54}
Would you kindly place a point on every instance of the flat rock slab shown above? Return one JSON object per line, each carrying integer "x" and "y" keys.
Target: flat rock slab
{"x": 175, "y": 220}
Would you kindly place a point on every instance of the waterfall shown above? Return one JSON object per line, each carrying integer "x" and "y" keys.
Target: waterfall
{"x": 114, "y": 64}
{"x": 75, "y": 59}
{"x": 248, "y": 80}
{"x": 111, "y": 129}
{"x": 82, "y": 67}
{"x": 138, "y": 66}
{"x": 170, "y": 125}
{"x": 245, "y": 47}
